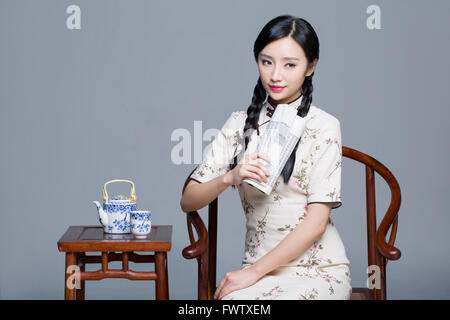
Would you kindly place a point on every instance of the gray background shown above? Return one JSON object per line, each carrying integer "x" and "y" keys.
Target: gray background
{"x": 81, "y": 107}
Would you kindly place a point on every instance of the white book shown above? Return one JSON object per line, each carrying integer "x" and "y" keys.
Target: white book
{"x": 277, "y": 142}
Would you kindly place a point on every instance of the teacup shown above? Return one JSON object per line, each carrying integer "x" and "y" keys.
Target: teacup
{"x": 141, "y": 223}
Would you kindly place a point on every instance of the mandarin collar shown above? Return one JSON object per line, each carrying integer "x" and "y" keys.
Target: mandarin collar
{"x": 296, "y": 103}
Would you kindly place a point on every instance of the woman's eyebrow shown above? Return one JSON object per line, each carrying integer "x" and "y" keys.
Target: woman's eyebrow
{"x": 285, "y": 58}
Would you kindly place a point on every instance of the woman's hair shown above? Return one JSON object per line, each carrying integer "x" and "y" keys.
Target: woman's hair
{"x": 302, "y": 32}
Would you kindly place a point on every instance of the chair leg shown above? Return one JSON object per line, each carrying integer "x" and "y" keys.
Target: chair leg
{"x": 203, "y": 289}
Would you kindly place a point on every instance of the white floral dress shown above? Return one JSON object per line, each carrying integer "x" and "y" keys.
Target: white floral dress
{"x": 323, "y": 271}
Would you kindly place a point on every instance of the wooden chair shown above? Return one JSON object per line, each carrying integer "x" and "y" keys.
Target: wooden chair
{"x": 204, "y": 249}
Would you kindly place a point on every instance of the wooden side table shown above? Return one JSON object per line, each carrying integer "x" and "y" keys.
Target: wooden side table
{"x": 78, "y": 240}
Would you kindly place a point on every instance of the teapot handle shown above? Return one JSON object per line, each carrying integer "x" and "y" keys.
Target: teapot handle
{"x": 132, "y": 193}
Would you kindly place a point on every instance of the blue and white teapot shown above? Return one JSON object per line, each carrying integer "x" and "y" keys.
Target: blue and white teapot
{"x": 115, "y": 213}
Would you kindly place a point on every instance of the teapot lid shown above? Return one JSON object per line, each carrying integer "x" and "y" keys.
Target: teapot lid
{"x": 122, "y": 198}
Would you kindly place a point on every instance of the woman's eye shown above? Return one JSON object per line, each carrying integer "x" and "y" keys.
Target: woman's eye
{"x": 289, "y": 65}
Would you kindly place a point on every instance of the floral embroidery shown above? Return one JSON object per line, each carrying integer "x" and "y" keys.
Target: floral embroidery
{"x": 233, "y": 139}
{"x": 273, "y": 293}
{"x": 309, "y": 134}
{"x": 286, "y": 228}
{"x": 205, "y": 169}
{"x": 336, "y": 165}
{"x": 333, "y": 141}
{"x": 238, "y": 114}
{"x": 334, "y": 196}
{"x": 276, "y": 195}
{"x": 338, "y": 162}
{"x": 302, "y": 216}
{"x": 324, "y": 275}
{"x": 328, "y": 278}
{"x": 313, "y": 259}
{"x": 255, "y": 241}
{"x": 300, "y": 179}
{"x": 247, "y": 206}
{"x": 309, "y": 294}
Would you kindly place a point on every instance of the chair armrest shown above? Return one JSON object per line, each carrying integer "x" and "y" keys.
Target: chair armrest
{"x": 197, "y": 248}
{"x": 390, "y": 220}
{"x": 388, "y": 251}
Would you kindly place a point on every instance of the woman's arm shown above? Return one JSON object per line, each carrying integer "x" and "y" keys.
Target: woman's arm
{"x": 291, "y": 247}
{"x": 197, "y": 195}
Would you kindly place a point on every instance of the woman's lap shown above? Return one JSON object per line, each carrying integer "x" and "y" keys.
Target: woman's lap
{"x": 299, "y": 283}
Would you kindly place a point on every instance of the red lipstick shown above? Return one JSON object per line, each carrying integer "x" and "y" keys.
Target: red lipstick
{"x": 276, "y": 88}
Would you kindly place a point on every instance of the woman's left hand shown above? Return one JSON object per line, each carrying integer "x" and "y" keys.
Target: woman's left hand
{"x": 236, "y": 280}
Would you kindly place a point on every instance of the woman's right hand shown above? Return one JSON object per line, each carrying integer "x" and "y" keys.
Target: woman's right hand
{"x": 248, "y": 167}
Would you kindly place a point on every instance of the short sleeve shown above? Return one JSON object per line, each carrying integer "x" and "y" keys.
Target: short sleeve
{"x": 226, "y": 145}
{"x": 325, "y": 175}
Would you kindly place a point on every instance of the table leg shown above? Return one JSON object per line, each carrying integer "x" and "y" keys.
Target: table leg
{"x": 70, "y": 282}
{"x": 162, "y": 290}
{"x": 80, "y": 292}
{"x": 167, "y": 275}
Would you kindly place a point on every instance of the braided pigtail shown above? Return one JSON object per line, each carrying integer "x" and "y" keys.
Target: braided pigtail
{"x": 303, "y": 109}
{"x": 253, "y": 111}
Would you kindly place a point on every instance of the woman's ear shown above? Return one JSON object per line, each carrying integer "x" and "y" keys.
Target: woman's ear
{"x": 312, "y": 68}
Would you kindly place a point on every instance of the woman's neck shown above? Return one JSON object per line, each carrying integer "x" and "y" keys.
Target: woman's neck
{"x": 275, "y": 104}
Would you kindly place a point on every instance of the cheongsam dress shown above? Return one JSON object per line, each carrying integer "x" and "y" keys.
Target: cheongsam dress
{"x": 323, "y": 270}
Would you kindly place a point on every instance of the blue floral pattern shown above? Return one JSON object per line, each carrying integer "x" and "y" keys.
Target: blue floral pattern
{"x": 112, "y": 208}
{"x": 141, "y": 222}
{"x": 140, "y": 216}
{"x": 123, "y": 224}
{"x": 118, "y": 216}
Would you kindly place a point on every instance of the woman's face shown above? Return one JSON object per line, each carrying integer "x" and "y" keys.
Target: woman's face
{"x": 283, "y": 66}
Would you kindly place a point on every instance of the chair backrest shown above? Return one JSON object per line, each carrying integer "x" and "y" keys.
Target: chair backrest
{"x": 379, "y": 251}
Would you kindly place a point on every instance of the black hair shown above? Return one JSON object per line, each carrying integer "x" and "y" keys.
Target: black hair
{"x": 303, "y": 33}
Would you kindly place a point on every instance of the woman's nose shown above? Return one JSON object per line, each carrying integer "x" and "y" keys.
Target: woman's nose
{"x": 276, "y": 74}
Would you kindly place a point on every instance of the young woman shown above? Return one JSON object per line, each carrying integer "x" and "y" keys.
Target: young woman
{"x": 293, "y": 250}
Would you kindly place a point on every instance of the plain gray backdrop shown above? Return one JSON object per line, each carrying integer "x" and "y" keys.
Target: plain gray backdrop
{"x": 81, "y": 107}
